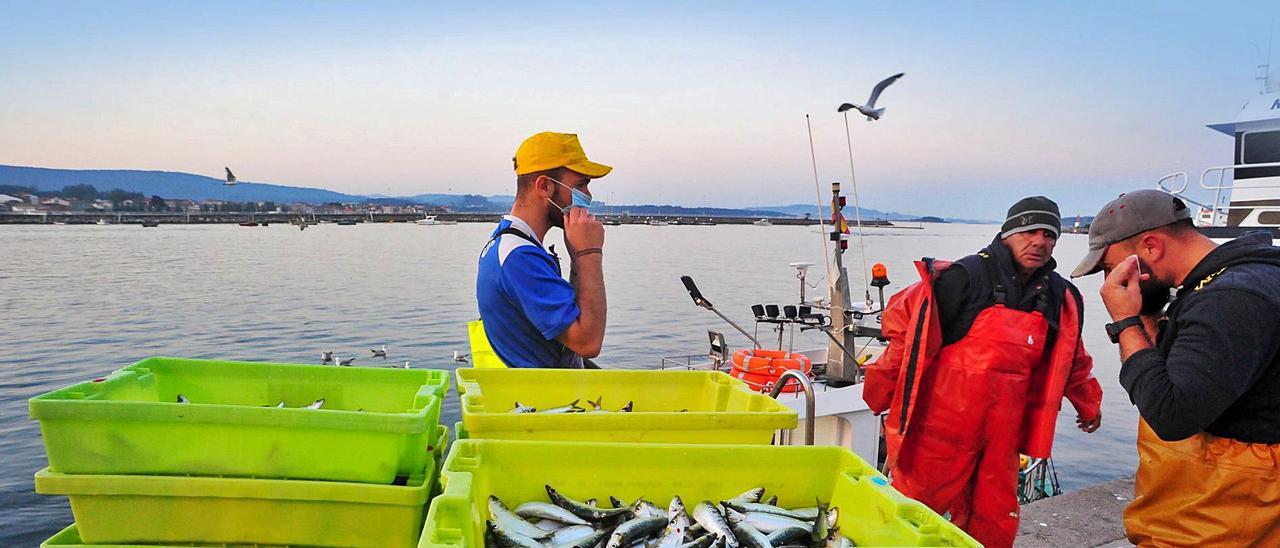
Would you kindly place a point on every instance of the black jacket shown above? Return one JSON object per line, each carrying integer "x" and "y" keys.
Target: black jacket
{"x": 1216, "y": 364}
{"x": 969, "y": 286}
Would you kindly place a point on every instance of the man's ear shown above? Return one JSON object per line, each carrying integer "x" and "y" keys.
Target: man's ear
{"x": 1151, "y": 247}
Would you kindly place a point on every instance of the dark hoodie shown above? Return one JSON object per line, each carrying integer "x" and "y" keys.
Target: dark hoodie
{"x": 969, "y": 286}
{"x": 1216, "y": 364}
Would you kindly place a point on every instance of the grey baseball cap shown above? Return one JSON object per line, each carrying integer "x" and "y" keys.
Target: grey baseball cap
{"x": 1125, "y": 217}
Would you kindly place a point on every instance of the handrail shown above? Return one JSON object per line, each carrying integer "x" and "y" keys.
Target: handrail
{"x": 1222, "y": 173}
{"x": 1185, "y": 181}
{"x": 809, "y": 405}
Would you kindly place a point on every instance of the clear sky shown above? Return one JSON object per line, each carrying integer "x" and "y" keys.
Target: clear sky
{"x": 693, "y": 103}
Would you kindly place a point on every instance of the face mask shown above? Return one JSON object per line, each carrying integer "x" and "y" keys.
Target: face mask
{"x": 580, "y": 198}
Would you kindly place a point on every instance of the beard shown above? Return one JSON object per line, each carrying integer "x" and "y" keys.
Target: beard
{"x": 1154, "y": 298}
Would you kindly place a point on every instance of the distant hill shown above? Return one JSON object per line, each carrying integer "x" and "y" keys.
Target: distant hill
{"x": 870, "y": 214}
{"x": 176, "y": 185}
{"x": 168, "y": 184}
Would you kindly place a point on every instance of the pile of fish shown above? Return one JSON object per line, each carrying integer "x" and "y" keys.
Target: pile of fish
{"x": 739, "y": 522}
{"x": 596, "y": 407}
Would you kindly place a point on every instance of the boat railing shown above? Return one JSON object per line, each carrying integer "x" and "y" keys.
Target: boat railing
{"x": 810, "y": 404}
{"x": 1213, "y": 179}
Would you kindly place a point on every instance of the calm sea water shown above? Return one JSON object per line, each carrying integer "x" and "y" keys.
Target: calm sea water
{"x": 81, "y": 301}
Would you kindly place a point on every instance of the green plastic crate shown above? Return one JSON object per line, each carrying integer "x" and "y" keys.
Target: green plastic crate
{"x": 718, "y": 408}
{"x": 128, "y": 510}
{"x": 373, "y": 427}
{"x": 872, "y": 513}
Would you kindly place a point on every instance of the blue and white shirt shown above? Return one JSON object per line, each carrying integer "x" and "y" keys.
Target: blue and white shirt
{"x": 525, "y": 302}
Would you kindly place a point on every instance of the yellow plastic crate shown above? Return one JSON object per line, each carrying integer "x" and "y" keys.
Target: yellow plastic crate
{"x": 127, "y": 510}
{"x": 718, "y": 408}
{"x": 872, "y": 513}
{"x": 373, "y": 427}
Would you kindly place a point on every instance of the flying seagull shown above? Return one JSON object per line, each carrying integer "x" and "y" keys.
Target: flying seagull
{"x": 869, "y": 110}
{"x": 231, "y": 177}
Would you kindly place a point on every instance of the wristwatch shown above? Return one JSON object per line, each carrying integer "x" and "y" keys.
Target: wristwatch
{"x": 1114, "y": 329}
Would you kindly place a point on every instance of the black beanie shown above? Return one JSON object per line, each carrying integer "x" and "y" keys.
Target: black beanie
{"x": 1034, "y": 213}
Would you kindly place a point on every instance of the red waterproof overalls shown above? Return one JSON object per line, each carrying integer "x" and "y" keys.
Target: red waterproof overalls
{"x": 960, "y": 415}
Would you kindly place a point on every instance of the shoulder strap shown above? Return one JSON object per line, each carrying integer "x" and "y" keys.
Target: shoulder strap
{"x": 517, "y": 232}
{"x": 996, "y": 279}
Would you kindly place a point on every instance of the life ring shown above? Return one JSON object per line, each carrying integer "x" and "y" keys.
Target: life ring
{"x": 760, "y": 368}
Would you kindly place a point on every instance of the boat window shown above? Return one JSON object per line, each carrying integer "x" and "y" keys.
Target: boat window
{"x": 1270, "y": 218}
{"x": 1260, "y": 147}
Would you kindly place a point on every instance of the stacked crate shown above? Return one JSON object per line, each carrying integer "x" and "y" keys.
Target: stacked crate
{"x": 183, "y": 451}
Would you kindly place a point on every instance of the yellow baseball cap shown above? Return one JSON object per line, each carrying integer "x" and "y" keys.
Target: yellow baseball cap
{"x": 550, "y": 150}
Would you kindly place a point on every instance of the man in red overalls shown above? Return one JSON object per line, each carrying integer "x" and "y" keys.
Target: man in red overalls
{"x": 981, "y": 353}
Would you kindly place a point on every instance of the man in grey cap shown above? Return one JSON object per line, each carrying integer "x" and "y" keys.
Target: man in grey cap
{"x": 981, "y": 353}
{"x": 1205, "y": 377}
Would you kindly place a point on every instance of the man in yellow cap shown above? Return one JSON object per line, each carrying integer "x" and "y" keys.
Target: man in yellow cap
{"x": 532, "y": 316}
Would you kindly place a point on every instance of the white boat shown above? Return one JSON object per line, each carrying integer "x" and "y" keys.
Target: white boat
{"x": 103, "y": 222}
{"x": 431, "y": 220}
{"x": 1246, "y": 192}
{"x": 655, "y": 222}
{"x": 762, "y": 222}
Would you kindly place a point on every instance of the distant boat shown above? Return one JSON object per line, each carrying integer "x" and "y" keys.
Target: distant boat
{"x": 431, "y": 220}
{"x": 60, "y": 223}
{"x": 103, "y": 222}
{"x": 655, "y": 222}
{"x": 762, "y": 222}
{"x": 249, "y": 223}
{"x": 707, "y": 222}
{"x": 613, "y": 222}
{"x": 346, "y": 223}
{"x": 150, "y": 224}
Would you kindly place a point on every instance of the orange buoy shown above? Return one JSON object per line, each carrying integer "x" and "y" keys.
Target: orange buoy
{"x": 760, "y": 368}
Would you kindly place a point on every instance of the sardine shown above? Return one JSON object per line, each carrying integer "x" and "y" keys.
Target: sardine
{"x": 749, "y": 536}
{"x": 316, "y": 404}
{"x": 571, "y": 533}
{"x": 789, "y": 535}
{"x": 840, "y": 541}
{"x": 506, "y": 520}
{"x": 546, "y": 510}
{"x": 773, "y": 501}
{"x": 677, "y": 525}
{"x": 703, "y": 541}
{"x": 183, "y": 399}
{"x": 588, "y": 541}
{"x": 571, "y": 408}
{"x": 583, "y": 510}
{"x": 710, "y": 519}
{"x": 595, "y": 405}
{"x": 645, "y": 509}
{"x": 550, "y": 525}
{"x": 627, "y": 408}
{"x": 768, "y": 523}
{"x": 509, "y": 538}
{"x": 522, "y": 408}
{"x": 808, "y": 514}
{"x": 821, "y": 528}
{"x": 633, "y": 529}
{"x": 751, "y": 495}
{"x": 745, "y": 507}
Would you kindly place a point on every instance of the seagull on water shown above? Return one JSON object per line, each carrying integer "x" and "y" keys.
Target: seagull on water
{"x": 460, "y": 357}
{"x": 326, "y": 357}
{"x": 869, "y": 110}
{"x": 346, "y": 361}
{"x": 380, "y": 353}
